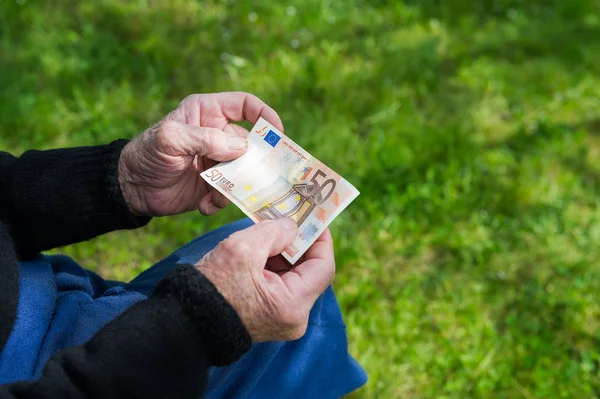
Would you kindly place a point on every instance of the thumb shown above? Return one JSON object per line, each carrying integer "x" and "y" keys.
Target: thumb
{"x": 267, "y": 238}
{"x": 176, "y": 137}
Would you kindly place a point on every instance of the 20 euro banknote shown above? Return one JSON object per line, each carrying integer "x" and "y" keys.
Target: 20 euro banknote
{"x": 277, "y": 178}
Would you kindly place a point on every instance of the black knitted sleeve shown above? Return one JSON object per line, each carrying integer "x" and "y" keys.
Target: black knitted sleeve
{"x": 159, "y": 348}
{"x": 59, "y": 197}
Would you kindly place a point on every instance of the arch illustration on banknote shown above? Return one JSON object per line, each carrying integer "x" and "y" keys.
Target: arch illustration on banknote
{"x": 297, "y": 203}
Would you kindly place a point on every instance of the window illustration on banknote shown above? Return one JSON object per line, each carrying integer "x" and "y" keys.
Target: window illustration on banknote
{"x": 296, "y": 204}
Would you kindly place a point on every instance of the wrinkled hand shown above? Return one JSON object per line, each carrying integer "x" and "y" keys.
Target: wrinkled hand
{"x": 159, "y": 171}
{"x": 272, "y": 298}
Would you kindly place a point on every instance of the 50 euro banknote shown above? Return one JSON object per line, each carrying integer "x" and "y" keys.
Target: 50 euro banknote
{"x": 277, "y": 178}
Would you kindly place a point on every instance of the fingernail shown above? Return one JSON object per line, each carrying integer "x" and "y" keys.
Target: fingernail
{"x": 288, "y": 224}
{"x": 236, "y": 142}
{"x": 210, "y": 209}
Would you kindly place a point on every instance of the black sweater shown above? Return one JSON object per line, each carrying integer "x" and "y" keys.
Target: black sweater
{"x": 160, "y": 347}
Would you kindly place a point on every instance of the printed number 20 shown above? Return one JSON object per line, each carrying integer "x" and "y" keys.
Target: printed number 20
{"x": 320, "y": 187}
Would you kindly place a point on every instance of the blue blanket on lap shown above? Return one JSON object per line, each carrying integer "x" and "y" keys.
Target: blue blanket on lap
{"x": 62, "y": 304}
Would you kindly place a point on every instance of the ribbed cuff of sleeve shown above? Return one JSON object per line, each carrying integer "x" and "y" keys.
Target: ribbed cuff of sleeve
{"x": 59, "y": 197}
{"x": 224, "y": 335}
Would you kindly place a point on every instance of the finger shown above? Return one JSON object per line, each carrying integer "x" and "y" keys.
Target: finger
{"x": 308, "y": 280}
{"x": 322, "y": 248}
{"x": 176, "y": 138}
{"x": 278, "y": 264}
{"x": 206, "y": 206}
{"x": 316, "y": 251}
{"x": 266, "y": 239}
{"x": 212, "y": 203}
{"x": 239, "y": 106}
{"x": 219, "y": 199}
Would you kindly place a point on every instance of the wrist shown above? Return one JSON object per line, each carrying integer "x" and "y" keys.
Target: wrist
{"x": 130, "y": 195}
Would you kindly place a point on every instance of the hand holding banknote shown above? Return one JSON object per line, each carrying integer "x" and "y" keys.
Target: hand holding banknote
{"x": 270, "y": 177}
{"x": 272, "y": 298}
{"x": 158, "y": 170}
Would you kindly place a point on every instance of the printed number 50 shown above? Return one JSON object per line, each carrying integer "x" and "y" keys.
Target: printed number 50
{"x": 214, "y": 175}
{"x": 320, "y": 187}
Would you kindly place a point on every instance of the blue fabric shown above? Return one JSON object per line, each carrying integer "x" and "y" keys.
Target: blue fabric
{"x": 62, "y": 304}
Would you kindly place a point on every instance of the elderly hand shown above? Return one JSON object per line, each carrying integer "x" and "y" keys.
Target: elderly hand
{"x": 159, "y": 171}
{"x": 272, "y": 298}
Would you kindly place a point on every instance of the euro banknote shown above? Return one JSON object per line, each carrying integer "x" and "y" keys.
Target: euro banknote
{"x": 277, "y": 178}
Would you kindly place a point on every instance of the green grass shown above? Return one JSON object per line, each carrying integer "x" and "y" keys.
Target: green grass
{"x": 469, "y": 267}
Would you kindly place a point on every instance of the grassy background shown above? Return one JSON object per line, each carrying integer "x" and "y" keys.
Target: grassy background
{"x": 469, "y": 265}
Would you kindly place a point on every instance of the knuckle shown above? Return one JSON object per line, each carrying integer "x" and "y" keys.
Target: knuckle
{"x": 167, "y": 127}
{"x": 241, "y": 93}
{"x": 270, "y": 230}
{"x": 229, "y": 246}
{"x": 250, "y": 96}
{"x": 235, "y": 247}
{"x": 189, "y": 98}
{"x": 210, "y": 137}
{"x": 165, "y": 131}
